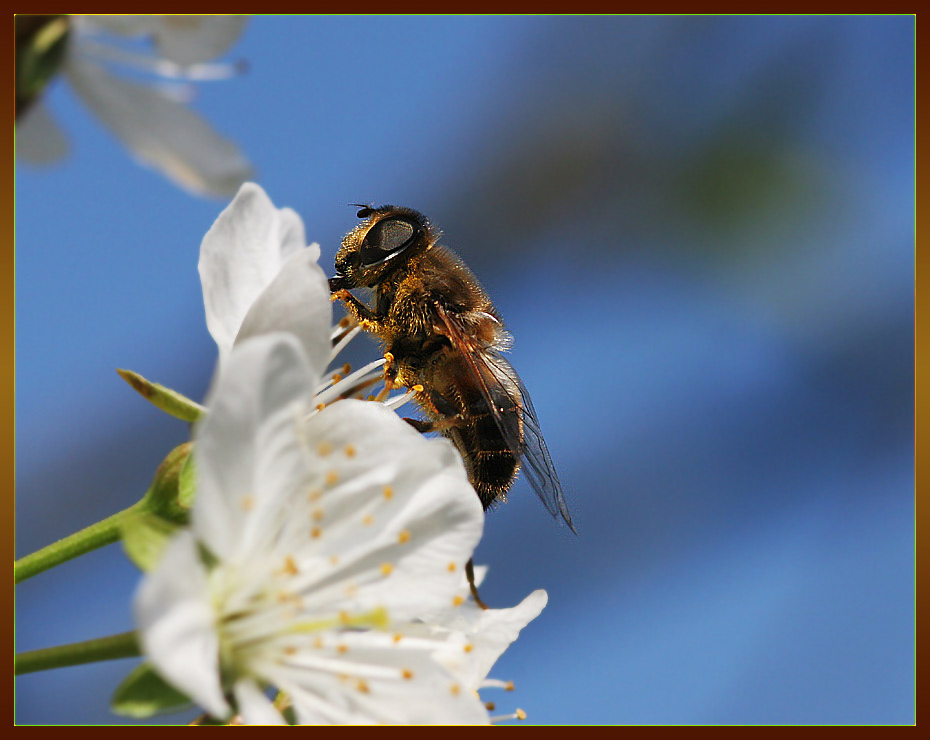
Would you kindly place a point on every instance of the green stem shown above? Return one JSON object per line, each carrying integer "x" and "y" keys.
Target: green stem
{"x": 90, "y": 538}
{"x": 124, "y": 645}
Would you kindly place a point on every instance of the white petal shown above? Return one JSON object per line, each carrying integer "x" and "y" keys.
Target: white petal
{"x": 176, "y": 625}
{"x": 39, "y": 140}
{"x": 491, "y": 633}
{"x": 429, "y": 696}
{"x": 161, "y": 132}
{"x": 189, "y": 39}
{"x": 241, "y": 255}
{"x": 423, "y": 534}
{"x": 254, "y": 706}
{"x": 296, "y": 301}
{"x": 248, "y": 454}
{"x": 122, "y": 25}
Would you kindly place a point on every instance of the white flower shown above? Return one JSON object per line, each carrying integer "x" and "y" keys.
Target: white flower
{"x": 328, "y": 537}
{"x": 156, "y": 127}
{"x": 337, "y": 535}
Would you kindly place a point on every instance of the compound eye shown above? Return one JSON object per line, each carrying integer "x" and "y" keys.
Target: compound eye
{"x": 386, "y": 238}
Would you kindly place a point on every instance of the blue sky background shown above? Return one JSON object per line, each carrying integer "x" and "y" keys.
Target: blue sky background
{"x": 700, "y": 231}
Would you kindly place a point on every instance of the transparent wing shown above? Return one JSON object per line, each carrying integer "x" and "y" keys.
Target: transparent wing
{"x": 488, "y": 368}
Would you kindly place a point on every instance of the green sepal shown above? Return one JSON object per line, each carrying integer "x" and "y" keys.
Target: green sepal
{"x": 187, "y": 484}
{"x": 163, "y": 497}
{"x": 169, "y": 401}
{"x": 145, "y": 536}
{"x": 144, "y": 693}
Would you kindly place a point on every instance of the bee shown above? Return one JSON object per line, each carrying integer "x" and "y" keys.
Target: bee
{"x": 444, "y": 339}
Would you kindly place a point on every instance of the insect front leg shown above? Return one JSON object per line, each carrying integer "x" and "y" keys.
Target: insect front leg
{"x": 366, "y": 318}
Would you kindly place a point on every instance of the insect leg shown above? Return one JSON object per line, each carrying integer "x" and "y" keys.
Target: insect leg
{"x": 366, "y": 318}
{"x": 470, "y": 574}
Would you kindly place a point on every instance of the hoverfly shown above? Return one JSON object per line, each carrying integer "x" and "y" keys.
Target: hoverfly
{"x": 443, "y": 336}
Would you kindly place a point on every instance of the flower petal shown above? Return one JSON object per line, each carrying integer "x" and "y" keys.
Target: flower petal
{"x": 296, "y": 301}
{"x": 161, "y": 132}
{"x": 241, "y": 255}
{"x": 410, "y": 498}
{"x": 253, "y": 705}
{"x": 248, "y": 454}
{"x": 417, "y": 691}
{"x": 489, "y": 632}
{"x": 176, "y": 624}
{"x": 189, "y": 39}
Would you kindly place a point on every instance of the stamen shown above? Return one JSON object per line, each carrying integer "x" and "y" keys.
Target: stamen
{"x": 341, "y": 343}
{"x": 400, "y": 399}
{"x": 519, "y": 714}
{"x": 336, "y": 390}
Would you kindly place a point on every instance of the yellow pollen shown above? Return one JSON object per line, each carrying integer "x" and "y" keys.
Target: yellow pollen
{"x": 406, "y": 673}
{"x": 404, "y": 536}
{"x": 520, "y": 714}
{"x": 388, "y": 358}
{"x": 247, "y": 503}
{"x": 386, "y": 569}
{"x": 336, "y": 377}
{"x": 490, "y": 706}
{"x": 350, "y": 451}
{"x": 451, "y": 567}
{"x": 315, "y": 494}
{"x": 344, "y": 617}
{"x": 290, "y": 650}
{"x": 468, "y": 648}
{"x": 331, "y": 477}
{"x": 346, "y": 369}
{"x": 388, "y": 493}
{"x": 362, "y": 686}
{"x": 316, "y": 532}
{"x": 417, "y": 388}
{"x": 509, "y": 686}
{"x": 324, "y": 448}
{"x": 333, "y": 559}
{"x": 317, "y": 515}
{"x": 290, "y": 567}
{"x": 455, "y": 689}
{"x": 318, "y": 642}
{"x": 368, "y": 520}
{"x": 458, "y": 601}
{"x": 342, "y": 648}
{"x": 320, "y": 406}
{"x": 398, "y": 638}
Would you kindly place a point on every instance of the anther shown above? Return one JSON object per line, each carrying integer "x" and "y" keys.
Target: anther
{"x": 386, "y": 569}
{"x": 404, "y": 536}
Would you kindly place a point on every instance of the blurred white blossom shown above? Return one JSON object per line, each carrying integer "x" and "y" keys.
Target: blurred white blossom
{"x": 152, "y": 120}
